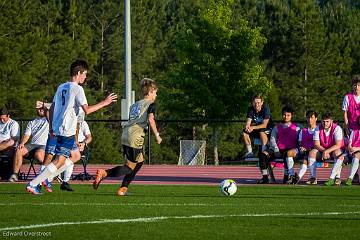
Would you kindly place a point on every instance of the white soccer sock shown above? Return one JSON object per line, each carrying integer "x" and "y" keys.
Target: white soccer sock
{"x": 302, "y": 170}
{"x": 67, "y": 163}
{"x": 354, "y": 167}
{"x": 312, "y": 167}
{"x": 336, "y": 169}
{"x": 48, "y": 171}
{"x": 290, "y": 163}
{"x": 338, "y": 174}
{"x": 264, "y": 172}
{"x": 248, "y": 148}
{"x": 68, "y": 172}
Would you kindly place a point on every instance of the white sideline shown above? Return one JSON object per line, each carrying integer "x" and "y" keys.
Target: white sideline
{"x": 155, "y": 219}
{"x": 117, "y": 204}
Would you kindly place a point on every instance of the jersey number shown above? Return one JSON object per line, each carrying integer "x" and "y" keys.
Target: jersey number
{"x": 63, "y": 93}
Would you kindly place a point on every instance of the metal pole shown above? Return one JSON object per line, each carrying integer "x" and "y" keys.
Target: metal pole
{"x": 127, "y": 56}
{"x": 149, "y": 144}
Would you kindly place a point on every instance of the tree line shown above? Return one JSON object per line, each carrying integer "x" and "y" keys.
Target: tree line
{"x": 208, "y": 56}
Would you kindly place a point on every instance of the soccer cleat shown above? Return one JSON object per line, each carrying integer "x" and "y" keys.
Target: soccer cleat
{"x": 47, "y": 185}
{"x": 66, "y": 187}
{"x": 348, "y": 182}
{"x": 337, "y": 181}
{"x": 290, "y": 180}
{"x": 122, "y": 191}
{"x": 330, "y": 182}
{"x": 293, "y": 179}
{"x": 263, "y": 180}
{"x": 33, "y": 190}
{"x": 248, "y": 155}
{"x": 312, "y": 181}
{"x": 296, "y": 179}
{"x": 356, "y": 178}
{"x": 100, "y": 174}
{"x": 13, "y": 178}
{"x": 285, "y": 178}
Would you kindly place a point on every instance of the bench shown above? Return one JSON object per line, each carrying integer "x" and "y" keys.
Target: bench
{"x": 279, "y": 163}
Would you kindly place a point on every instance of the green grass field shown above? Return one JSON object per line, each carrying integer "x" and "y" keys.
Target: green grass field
{"x": 181, "y": 212}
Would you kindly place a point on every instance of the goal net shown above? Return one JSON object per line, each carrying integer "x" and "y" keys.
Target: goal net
{"x": 192, "y": 152}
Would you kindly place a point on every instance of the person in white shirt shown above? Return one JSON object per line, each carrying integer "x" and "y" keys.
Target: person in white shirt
{"x": 63, "y": 120}
{"x": 9, "y": 136}
{"x": 328, "y": 143}
{"x": 83, "y": 139}
{"x": 351, "y": 107}
{"x": 9, "y": 133}
{"x": 37, "y": 130}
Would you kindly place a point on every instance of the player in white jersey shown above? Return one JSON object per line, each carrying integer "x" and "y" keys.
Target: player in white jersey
{"x": 75, "y": 156}
{"x": 9, "y": 133}
{"x": 9, "y": 136}
{"x": 63, "y": 119}
{"x": 38, "y": 130}
{"x": 83, "y": 139}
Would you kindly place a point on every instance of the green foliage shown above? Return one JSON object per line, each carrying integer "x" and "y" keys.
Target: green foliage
{"x": 217, "y": 64}
{"x": 106, "y": 145}
{"x": 209, "y": 58}
{"x": 308, "y": 54}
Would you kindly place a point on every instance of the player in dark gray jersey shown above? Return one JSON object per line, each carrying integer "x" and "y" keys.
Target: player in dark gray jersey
{"x": 142, "y": 114}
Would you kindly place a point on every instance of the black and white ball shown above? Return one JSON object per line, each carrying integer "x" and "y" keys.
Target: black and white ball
{"x": 228, "y": 187}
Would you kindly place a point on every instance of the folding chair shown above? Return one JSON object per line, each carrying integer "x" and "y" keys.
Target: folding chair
{"x": 31, "y": 159}
{"x": 85, "y": 156}
{"x": 5, "y": 167}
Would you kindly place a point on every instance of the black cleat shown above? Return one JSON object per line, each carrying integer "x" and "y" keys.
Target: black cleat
{"x": 296, "y": 179}
{"x": 290, "y": 180}
{"x": 312, "y": 181}
{"x": 66, "y": 187}
{"x": 263, "y": 180}
{"x": 293, "y": 180}
{"x": 285, "y": 179}
{"x": 356, "y": 178}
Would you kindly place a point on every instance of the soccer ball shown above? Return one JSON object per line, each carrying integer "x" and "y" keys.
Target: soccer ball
{"x": 228, "y": 187}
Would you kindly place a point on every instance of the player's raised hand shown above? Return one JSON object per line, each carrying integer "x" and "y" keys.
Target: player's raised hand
{"x": 110, "y": 99}
{"x": 158, "y": 139}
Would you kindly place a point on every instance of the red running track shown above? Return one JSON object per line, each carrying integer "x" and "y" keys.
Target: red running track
{"x": 202, "y": 175}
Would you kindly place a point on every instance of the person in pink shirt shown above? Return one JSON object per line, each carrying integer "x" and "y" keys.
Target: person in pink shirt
{"x": 328, "y": 144}
{"x": 305, "y": 145}
{"x": 354, "y": 153}
{"x": 351, "y": 107}
{"x": 283, "y": 138}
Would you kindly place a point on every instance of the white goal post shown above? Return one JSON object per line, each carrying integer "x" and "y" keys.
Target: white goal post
{"x": 192, "y": 152}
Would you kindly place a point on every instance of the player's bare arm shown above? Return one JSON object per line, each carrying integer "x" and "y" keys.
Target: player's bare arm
{"x": 93, "y": 108}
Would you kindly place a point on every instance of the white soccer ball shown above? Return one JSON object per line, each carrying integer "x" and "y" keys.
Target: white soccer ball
{"x": 228, "y": 187}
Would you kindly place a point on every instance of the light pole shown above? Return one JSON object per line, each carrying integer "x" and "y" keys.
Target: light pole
{"x": 129, "y": 95}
